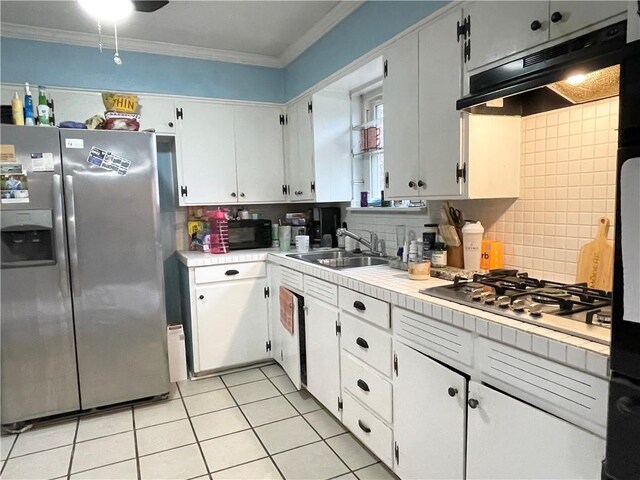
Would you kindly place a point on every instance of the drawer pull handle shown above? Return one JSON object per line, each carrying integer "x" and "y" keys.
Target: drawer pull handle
{"x": 362, "y": 342}
{"x": 363, "y": 427}
{"x": 201, "y": 297}
{"x": 230, "y": 273}
{"x": 358, "y": 305}
{"x": 452, "y": 391}
{"x": 628, "y": 406}
{"x": 473, "y": 403}
{"x": 363, "y": 385}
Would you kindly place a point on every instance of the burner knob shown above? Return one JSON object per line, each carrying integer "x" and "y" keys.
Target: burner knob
{"x": 535, "y": 309}
{"x": 503, "y": 301}
{"x": 488, "y": 297}
{"x": 518, "y": 305}
{"x": 476, "y": 293}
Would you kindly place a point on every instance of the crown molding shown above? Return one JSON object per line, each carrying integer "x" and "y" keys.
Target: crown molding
{"x": 27, "y": 32}
{"x": 330, "y": 20}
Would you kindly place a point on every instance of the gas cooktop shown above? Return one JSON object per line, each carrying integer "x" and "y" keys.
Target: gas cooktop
{"x": 570, "y": 308}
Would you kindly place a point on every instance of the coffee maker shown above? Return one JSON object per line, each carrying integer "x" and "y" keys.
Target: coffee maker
{"x": 325, "y": 220}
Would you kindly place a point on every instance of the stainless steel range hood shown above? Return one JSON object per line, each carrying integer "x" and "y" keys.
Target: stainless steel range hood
{"x": 520, "y": 86}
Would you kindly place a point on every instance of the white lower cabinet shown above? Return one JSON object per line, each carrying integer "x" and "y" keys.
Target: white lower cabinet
{"x": 323, "y": 352}
{"x": 508, "y": 438}
{"x": 225, "y": 313}
{"x": 429, "y": 416}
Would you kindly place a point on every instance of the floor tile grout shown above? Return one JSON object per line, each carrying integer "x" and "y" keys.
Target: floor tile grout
{"x": 135, "y": 443}
{"x": 73, "y": 449}
{"x": 204, "y": 459}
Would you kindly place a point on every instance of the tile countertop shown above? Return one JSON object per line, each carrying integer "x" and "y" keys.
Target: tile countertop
{"x": 394, "y": 287}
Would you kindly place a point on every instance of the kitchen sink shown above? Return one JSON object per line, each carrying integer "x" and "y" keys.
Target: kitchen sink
{"x": 340, "y": 259}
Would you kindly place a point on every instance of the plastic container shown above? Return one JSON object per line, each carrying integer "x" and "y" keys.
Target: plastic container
{"x": 413, "y": 251}
{"x": 284, "y": 234}
{"x": 28, "y": 106}
{"x": 16, "y": 110}
{"x": 43, "y": 106}
{"x": 419, "y": 270}
{"x": 218, "y": 232}
{"x": 472, "y": 242}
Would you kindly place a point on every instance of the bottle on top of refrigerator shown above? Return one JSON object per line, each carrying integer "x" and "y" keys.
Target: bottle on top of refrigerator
{"x": 43, "y": 106}
{"x": 16, "y": 110}
{"x": 28, "y": 106}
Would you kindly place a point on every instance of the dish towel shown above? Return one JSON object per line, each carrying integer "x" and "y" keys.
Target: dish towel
{"x": 286, "y": 309}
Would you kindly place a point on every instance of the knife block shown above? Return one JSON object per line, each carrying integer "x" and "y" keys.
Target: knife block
{"x": 455, "y": 255}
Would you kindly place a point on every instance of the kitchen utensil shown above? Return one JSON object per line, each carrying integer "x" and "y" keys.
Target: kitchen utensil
{"x": 472, "y": 243}
{"x": 456, "y": 217}
{"x": 595, "y": 261}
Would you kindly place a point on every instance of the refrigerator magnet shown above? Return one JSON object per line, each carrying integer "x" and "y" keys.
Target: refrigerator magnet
{"x": 42, "y": 162}
{"x": 14, "y": 188}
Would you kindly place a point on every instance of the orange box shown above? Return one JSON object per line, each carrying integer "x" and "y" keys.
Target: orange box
{"x": 491, "y": 257}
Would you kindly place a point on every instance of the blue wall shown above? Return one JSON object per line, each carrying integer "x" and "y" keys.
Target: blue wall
{"x": 54, "y": 64}
{"x": 372, "y": 24}
{"x": 44, "y": 63}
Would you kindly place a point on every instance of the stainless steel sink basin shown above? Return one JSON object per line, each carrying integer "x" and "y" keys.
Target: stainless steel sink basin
{"x": 339, "y": 259}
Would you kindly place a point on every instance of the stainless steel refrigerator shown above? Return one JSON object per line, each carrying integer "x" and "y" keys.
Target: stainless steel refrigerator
{"x": 82, "y": 320}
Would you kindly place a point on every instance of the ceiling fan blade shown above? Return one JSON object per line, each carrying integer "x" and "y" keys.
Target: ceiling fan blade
{"x": 148, "y": 6}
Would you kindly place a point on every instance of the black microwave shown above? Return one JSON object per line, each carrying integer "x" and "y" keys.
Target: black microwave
{"x": 249, "y": 234}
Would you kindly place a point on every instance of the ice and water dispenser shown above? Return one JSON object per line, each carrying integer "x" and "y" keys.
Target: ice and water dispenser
{"x": 27, "y": 238}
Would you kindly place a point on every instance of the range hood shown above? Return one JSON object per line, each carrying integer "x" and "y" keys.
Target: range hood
{"x": 580, "y": 70}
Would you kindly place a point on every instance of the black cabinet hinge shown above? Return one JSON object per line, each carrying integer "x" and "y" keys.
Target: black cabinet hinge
{"x": 395, "y": 364}
{"x": 266, "y": 292}
{"x": 463, "y": 29}
{"x": 286, "y": 119}
{"x": 397, "y": 453}
{"x": 339, "y": 404}
{"x": 313, "y": 187}
{"x": 338, "y": 328}
{"x": 184, "y": 191}
{"x": 386, "y": 69}
{"x": 179, "y": 115}
{"x": 288, "y": 189}
{"x": 310, "y": 107}
{"x": 386, "y": 179}
{"x": 281, "y": 119}
{"x": 461, "y": 173}
{"x": 284, "y": 189}
{"x": 466, "y": 52}
{"x": 267, "y": 346}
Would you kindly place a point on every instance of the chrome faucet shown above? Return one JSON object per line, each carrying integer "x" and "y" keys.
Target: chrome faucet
{"x": 370, "y": 244}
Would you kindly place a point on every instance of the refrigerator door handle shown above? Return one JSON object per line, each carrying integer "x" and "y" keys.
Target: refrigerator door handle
{"x": 71, "y": 232}
{"x": 58, "y": 220}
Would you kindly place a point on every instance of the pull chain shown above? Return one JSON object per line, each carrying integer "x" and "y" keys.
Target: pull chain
{"x": 100, "y": 36}
{"x": 116, "y": 56}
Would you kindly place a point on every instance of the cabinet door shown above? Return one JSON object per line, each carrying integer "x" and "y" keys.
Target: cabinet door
{"x": 507, "y": 438}
{"x": 440, "y": 84}
{"x": 323, "y": 353}
{"x": 285, "y": 348}
{"x": 400, "y": 93}
{"x": 207, "y": 161}
{"x": 576, "y": 16}
{"x": 259, "y": 154}
{"x": 332, "y": 146}
{"x": 429, "y": 410}
{"x": 231, "y": 318}
{"x": 73, "y": 106}
{"x": 500, "y": 29}
{"x": 158, "y": 113}
{"x": 300, "y": 174}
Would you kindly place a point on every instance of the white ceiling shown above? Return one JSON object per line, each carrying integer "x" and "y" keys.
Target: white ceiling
{"x": 270, "y": 33}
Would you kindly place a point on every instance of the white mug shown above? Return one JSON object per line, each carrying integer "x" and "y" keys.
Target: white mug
{"x": 302, "y": 243}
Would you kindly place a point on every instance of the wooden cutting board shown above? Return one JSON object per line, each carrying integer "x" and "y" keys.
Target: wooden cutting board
{"x": 595, "y": 261}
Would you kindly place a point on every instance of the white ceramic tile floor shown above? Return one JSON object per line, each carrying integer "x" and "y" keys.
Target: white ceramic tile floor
{"x": 212, "y": 438}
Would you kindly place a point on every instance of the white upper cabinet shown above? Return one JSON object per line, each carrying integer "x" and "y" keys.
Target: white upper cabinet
{"x": 567, "y": 17}
{"x": 207, "y": 160}
{"x": 72, "y": 106}
{"x": 401, "y": 127}
{"x": 440, "y": 84}
{"x": 229, "y": 154}
{"x": 259, "y": 153}
{"x": 332, "y": 146}
{"x": 299, "y": 157}
{"x": 158, "y": 113}
{"x": 499, "y": 29}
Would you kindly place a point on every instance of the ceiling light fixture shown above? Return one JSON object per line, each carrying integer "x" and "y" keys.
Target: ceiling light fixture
{"x": 107, "y": 10}
{"x": 576, "y": 79}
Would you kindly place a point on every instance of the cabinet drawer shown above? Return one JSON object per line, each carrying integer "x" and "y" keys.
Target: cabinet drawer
{"x": 366, "y": 342}
{"x": 325, "y": 291}
{"x": 232, "y": 271}
{"x": 291, "y": 278}
{"x": 371, "y": 309}
{"x": 367, "y": 386}
{"x": 369, "y": 429}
